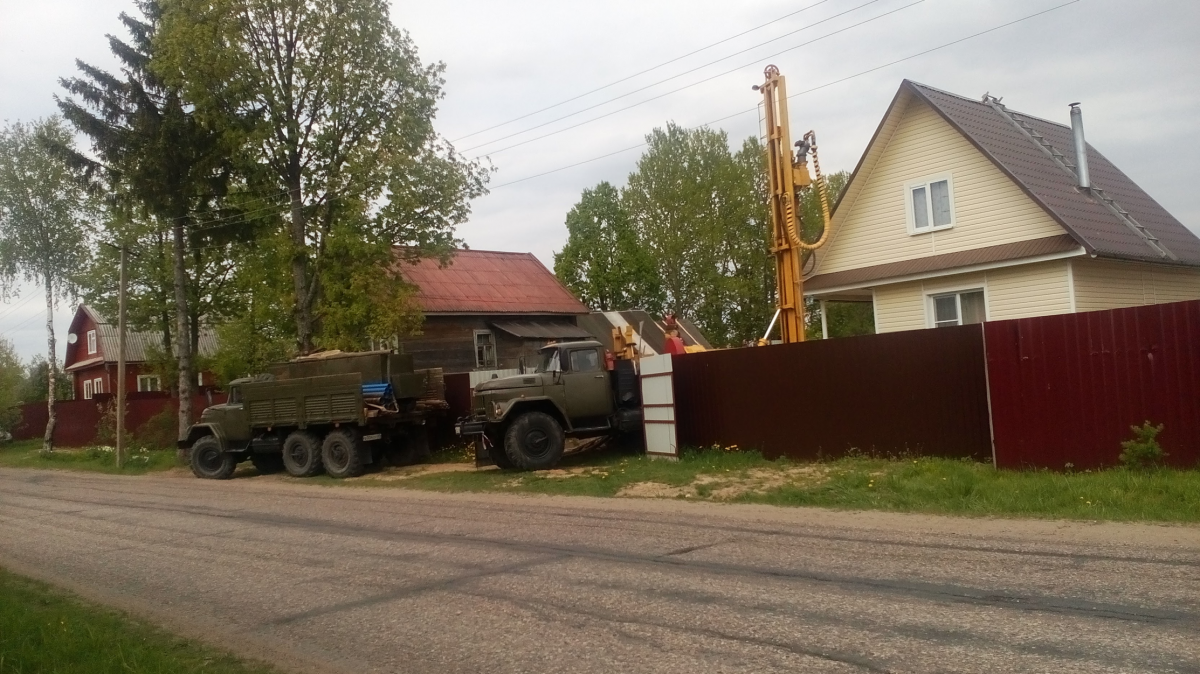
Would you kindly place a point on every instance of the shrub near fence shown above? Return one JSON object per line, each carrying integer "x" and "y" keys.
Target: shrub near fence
{"x": 921, "y": 392}
{"x": 78, "y": 420}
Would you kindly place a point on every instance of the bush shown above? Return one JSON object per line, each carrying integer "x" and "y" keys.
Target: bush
{"x": 1143, "y": 451}
{"x": 160, "y": 431}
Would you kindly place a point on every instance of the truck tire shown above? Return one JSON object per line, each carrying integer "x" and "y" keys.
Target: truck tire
{"x": 534, "y": 441}
{"x": 302, "y": 454}
{"x": 209, "y": 461}
{"x": 341, "y": 452}
{"x": 267, "y": 464}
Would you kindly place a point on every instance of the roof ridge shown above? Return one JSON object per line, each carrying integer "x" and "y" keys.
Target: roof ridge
{"x": 978, "y": 101}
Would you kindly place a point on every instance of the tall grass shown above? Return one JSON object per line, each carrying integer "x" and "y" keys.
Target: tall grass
{"x": 27, "y": 454}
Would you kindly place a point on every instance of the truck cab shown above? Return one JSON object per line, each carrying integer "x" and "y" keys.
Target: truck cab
{"x": 577, "y": 390}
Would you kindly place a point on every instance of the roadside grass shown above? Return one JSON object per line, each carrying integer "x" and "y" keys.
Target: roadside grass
{"x": 43, "y": 629}
{"x": 27, "y": 454}
{"x": 929, "y": 485}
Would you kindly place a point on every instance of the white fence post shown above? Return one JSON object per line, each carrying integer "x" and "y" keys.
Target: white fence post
{"x": 658, "y": 407}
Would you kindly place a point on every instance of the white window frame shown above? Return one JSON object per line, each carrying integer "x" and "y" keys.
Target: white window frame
{"x": 495, "y": 364}
{"x": 91, "y": 342}
{"x": 87, "y": 389}
{"x": 97, "y": 385}
{"x": 957, "y": 291}
{"x": 908, "y": 203}
{"x": 146, "y": 378}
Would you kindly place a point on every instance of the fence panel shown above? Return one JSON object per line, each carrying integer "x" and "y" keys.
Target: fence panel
{"x": 77, "y": 421}
{"x": 1065, "y": 389}
{"x": 922, "y": 391}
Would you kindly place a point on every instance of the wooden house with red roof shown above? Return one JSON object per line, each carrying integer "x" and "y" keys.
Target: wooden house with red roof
{"x": 488, "y": 310}
{"x": 91, "y": 357}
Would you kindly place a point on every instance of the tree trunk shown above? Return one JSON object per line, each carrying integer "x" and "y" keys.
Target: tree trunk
{"x": 303, "y": 307}
{"x": 51, "y": 369}
{"x": 183, "y": 344}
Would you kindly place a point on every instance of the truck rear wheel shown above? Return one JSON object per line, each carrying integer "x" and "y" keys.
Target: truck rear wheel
{"x": 302, "y": 454}
{"x": 342, "y": 454}
{"x": 534, "y": 441}
{"x": 209, "y": 462}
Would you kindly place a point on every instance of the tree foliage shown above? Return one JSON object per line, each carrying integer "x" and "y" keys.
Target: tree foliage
{"x": 343, "y": 111}
{"x": 689, "y": 232}
{"x": 45, "y": 217}
{"x": 12, "y": 383}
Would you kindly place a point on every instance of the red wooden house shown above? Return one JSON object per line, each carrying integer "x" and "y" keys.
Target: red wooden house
{"x": 91, "y": 357}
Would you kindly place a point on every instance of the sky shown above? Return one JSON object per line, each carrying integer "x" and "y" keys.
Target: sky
{"x": 1132, "y": 65}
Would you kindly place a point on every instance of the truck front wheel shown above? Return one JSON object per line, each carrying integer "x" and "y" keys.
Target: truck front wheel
{"x": 342, "y": 454}
{"x": 302, "y": 454}
{"x": 209, "y": 462}
{"x": 534, "y": 441}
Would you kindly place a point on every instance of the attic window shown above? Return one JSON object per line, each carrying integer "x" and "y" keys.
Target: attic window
{"x": 929, "y": 204}
{"x": 91, "y": 337}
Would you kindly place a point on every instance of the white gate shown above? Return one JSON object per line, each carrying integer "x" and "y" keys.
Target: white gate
{"x": 658, "y": 406}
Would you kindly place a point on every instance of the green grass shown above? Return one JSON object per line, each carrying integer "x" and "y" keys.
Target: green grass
{"x": 46, "y": 631}
{"x": 27, "y": 454}
{"x": 943, "y": 486}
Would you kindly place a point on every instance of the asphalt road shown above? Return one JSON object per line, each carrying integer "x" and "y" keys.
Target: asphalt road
{"x": 370, "y": 580}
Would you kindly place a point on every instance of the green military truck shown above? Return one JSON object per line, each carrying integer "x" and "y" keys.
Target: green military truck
{"x": 578, "y": 390}
{"x": 333, "y": 412}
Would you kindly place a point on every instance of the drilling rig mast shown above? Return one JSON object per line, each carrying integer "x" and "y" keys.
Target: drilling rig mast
{"x": 785, "y": 176}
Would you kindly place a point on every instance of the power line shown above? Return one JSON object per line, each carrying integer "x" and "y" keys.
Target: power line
{"x": 801, "y": 93}
{"x": 641, "y": 72}
{"x": 707, "y": 79}
{"x": 20, "y": 304}
{"x": 688, "y": 72}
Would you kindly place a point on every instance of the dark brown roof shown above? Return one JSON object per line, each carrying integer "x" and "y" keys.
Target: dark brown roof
{"x": 1085, "y": 216}
{"x": 923, "y": 265}
{"x": 542, "y": 329}
{"x": 488, "y": 282}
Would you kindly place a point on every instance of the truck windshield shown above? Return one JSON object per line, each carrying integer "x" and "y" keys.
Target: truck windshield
{"x": 549, "y": 361}
{"x": 235, "y": 395}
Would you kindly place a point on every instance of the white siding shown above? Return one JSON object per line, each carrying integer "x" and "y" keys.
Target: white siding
{"x": 1029, "y": 290}
{"x": 1107, "y": 284}
{"x": 1011, "y": 292}
{"x": 989, "y": 208}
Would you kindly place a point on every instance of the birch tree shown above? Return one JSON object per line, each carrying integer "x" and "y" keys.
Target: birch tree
{"x": 44, "y": 224}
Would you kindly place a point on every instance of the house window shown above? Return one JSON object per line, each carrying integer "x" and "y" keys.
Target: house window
{"x": 148, "y": 382}
{"x": 91, "y": 337}
{"x": 485, "y": 350}
{"x": 87, "y": 389}
{"x": 98, "y": 385}
{"x": 960, "y": 308}
{"x": 930, "y": 204}
{"x": 199, "y": 379}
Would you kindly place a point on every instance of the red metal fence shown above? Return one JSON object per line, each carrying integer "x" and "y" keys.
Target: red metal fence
{"x": 1065, "y": 389}
{"x": 77, "y": 421}
{"x": 922, "y": 392}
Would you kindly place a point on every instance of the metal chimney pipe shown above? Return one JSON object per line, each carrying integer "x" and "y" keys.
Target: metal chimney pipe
{"x": 1081, "y": 165}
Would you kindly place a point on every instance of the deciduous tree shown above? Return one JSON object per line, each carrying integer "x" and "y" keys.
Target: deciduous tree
{"x": 45, "y": 218}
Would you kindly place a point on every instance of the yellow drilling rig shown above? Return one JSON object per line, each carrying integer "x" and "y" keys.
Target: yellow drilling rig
{"x": 787, "y": 175}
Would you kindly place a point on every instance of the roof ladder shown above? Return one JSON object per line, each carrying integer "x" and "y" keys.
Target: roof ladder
{"x": 1069, "y": 167}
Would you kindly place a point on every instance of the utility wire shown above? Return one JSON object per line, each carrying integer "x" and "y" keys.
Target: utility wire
{"x": 801, "y": 93}
{"x": 688, "y": 72}
{"x": 20, "y": 304}
{"x": 707, "y": 79}
{"x": 640, "y": 73}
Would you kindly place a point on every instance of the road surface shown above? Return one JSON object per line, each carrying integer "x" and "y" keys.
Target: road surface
{"x": 344, "y": 579}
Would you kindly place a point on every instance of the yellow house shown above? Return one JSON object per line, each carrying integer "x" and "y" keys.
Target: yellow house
{"x": 962, "y": 211}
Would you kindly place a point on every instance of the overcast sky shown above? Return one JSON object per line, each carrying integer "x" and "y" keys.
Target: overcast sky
{"x": 1134, "y": 66}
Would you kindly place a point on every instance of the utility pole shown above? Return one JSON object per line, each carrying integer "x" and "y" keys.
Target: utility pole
{"x": 124, "y": 282}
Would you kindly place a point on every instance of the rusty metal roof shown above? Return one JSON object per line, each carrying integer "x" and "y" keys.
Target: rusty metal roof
{"x": 489, "y": 282}
{"x": 1049, "y": 245}
{"x": 991, "y": 128}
